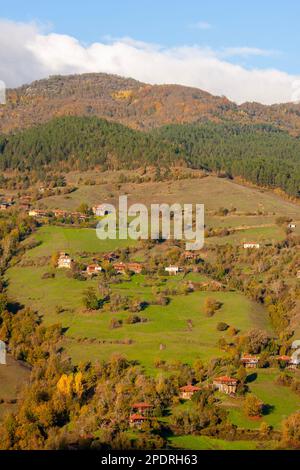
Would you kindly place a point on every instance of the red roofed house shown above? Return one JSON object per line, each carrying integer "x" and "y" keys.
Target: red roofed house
{"x": 190, "y": 255}
{"x": 249, "y": 361}
{"x": 120, "y": 268}
{"x": 142, "y": 408}
{"x": 135, "y": 267}
{"x": 188, "y": 391}
{"x": 93, "y": 269}
{"x": 137, "y": 420}
{"x": 60, "y": 213}
{"x": 290, "y": 363}
{"x": 226, "y": 385}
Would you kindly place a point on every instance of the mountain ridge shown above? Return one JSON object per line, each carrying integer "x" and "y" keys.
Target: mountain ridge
{"x": 134, "y": 104}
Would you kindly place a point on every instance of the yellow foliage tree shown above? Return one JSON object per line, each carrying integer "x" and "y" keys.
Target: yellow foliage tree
{"x": 65, "y": 384}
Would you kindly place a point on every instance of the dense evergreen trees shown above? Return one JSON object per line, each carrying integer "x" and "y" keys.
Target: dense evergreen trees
{"x": 74, "y": 142}
{"x": 261, "y": 154}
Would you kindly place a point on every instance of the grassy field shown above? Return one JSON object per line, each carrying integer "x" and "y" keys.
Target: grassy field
{"x": 165, "y": 325}
{"x": 212, "y": 191}
{"x": 209, "y": 443}
{"x": 71, "y": 240}
{"x": 280, "y": 401}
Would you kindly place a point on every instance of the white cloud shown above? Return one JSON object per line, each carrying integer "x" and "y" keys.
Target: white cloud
{"x": 201, "y": 25}
{"x": 28, "y": 53}
{"x": 247, "y": 52}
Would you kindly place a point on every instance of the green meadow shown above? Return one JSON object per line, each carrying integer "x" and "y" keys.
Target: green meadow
{"x": 90, "y": 337}
{"x": 209, "y": 443}
{"x": 280, "y": 402}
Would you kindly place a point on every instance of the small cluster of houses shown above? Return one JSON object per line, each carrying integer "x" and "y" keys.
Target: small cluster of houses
{"x": 58, "y": 213}
{"x": 66, "y": 262}
{"x": 291, "y": 362}
{"x": 122, "y": 268}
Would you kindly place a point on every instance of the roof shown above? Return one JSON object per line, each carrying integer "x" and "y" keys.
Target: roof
{"x": 137, "y": 417}
{"x": 284, "y": 358}
{"x": 189, "y": 388}
{"x": 249, "y": 358}
{"x": 226, "y": 380}
{"x": 142, "y": 405}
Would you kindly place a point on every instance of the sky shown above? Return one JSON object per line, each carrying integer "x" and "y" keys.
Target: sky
{"x": 247, "y": 51}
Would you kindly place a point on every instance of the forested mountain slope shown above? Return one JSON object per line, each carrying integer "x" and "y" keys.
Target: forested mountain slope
{"x": 135, "y": 104}
{"x": 261, "y": 154}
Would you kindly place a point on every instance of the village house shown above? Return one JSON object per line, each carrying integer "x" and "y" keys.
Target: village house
{"x": 37, "y": 213}
{"x": 136, "y": 420}
{"x": 93, "y": 269}
{"x": 172, "y": 270}
{"x": 188, "y": 391}
{"x": 249, "y": 361}
{"x": 80, "y": 216}
{"x": 290, "y": 363}
{"x": 59, "y": 213}
{"x": 250, "y": 246}
{"x": 64, "y": 261}
{"x": 135, "y": 267}
{"x": 226, "y": 385}
{"x": 101, "y": 210}
{"x": 142, "y": 408}
{"x": 190, "y": 255}
{"x": 120, "y": 267}
{"x": 110, "y": 257}
{"x": 292, "y": 225}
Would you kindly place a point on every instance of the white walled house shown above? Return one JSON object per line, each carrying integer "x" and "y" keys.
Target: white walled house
{"x": 64, "y": 261}
{"x": 101, "y": 210}
{"x": 172, "y": 270}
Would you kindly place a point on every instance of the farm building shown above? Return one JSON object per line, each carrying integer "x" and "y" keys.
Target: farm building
{"x": 64, "y": 261}
{"x": 102, "y": 210}
{"x": 188, "y": 391}
{"x": 172, "y": 270}
{"x": 226, "y": 385}
{"x": 249, "y": 361}
{"x": 250, "y": 246}
{"x": 93, "y": 269}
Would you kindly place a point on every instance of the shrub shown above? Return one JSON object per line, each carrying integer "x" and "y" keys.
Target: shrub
{"x": 222, "y": 326}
